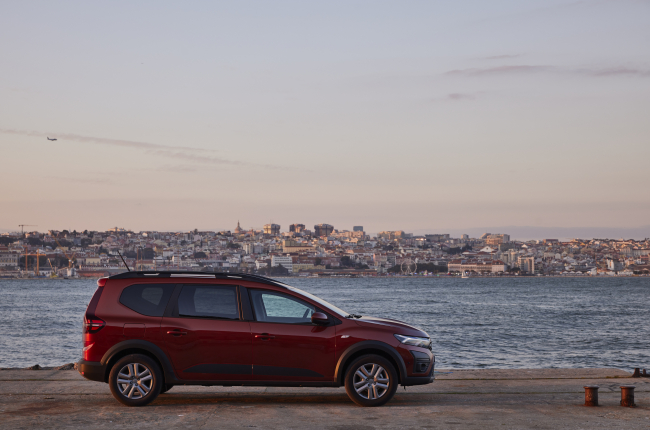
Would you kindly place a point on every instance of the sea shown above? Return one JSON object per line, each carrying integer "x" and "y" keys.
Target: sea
{"x": 503, "y": 323}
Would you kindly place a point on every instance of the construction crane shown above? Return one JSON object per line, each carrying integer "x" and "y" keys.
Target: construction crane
{"x": 22, "y": 228}
{"x": 38, "y": 267}
{"x": 53, "y": 274}
{"x": 66, "y": 254}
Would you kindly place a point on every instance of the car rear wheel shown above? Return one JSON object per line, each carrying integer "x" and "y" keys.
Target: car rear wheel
{"x": 135, "y": 380}
{"x": 371, "y": 380}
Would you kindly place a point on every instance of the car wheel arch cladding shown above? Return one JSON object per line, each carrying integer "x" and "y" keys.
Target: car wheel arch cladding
{"x": 135, "y": 346}
{"x": 370, "y": 347}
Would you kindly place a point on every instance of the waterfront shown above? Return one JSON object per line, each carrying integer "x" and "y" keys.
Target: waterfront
{"x": 459, "y": 399}
{"x": 523, "y": 322}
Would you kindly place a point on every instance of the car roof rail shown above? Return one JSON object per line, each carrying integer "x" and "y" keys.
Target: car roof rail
{"x": 193, "y": 274}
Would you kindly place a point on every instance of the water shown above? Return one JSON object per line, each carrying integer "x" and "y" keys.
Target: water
{"x": 475, "y": 323}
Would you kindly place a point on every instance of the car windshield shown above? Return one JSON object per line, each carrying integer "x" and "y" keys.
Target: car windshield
{"x": 325, "y": 304}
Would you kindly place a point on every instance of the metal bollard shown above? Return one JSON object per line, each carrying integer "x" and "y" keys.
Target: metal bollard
{"x": 627, "y": 396}
{"x": 591, "y": 395}
{"x": 637, "y": 373}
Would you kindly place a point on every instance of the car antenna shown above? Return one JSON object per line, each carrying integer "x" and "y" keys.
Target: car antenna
{"x": 127, "y": 266}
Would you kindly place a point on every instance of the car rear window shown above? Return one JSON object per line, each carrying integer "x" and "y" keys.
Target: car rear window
{"x": 147, "y": 299}
{"x": 208, "y": 301}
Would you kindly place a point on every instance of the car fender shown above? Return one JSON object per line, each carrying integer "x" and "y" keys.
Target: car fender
{"x": 369, "y": 344}
{"x": 150, "y": 347}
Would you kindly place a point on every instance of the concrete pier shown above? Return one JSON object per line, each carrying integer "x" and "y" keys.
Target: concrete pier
{"x": 481, "y": 399}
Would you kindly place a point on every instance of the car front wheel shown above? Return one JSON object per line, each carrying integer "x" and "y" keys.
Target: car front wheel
{"x": 135, "y": 380}
{"x": 371, "y": 380}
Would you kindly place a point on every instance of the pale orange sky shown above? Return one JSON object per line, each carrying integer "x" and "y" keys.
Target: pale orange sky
{"x": 392, "y": 115}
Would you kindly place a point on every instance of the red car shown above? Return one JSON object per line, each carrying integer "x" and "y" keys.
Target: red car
{"x": 145, "y": 332}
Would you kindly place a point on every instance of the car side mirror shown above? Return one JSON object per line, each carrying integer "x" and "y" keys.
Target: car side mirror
{"x": 319, "y": 318}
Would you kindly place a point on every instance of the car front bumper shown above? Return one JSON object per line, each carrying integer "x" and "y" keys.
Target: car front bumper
{"x": 421, "y": 380}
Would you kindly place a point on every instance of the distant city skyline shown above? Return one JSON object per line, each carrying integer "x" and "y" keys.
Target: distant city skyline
{"x": 516, "y": 232}
{"x": 392, "y": 114}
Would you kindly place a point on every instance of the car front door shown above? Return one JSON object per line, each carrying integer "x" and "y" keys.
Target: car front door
{"x": 205, "y": 336}
{"x": 286, "y": 345}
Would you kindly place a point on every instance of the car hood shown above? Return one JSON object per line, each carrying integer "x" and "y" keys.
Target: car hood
{"x": 399, "y": 326}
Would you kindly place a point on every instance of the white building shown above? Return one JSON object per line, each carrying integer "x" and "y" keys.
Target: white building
{"x": 259, "y": 264}
{"x": 285, "y": 261}
{"x": 8, "y": 259}
{"x": 526, "y": 264}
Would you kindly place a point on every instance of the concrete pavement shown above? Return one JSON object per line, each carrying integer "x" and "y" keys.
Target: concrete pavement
{"x": 494, "y": 399}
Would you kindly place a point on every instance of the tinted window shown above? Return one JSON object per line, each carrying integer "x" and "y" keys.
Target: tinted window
{"x": 208, "y": 301}
{"x": 270, "y": 306}
{"x": 147, "y": 299}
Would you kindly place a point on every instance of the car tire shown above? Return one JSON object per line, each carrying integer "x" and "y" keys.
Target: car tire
{"x": 166, "y": 388}
{"x": 371, "y": 380}
{"x": 135, "y": 380}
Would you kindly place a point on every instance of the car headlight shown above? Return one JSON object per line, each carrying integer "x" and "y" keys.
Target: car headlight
{"x": 422, "y": 342}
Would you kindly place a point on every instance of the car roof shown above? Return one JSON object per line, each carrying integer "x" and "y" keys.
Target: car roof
{"x": 194, "y": 275}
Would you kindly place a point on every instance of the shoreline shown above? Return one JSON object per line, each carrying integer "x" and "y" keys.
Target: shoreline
{"x": 447, "y": 370}
{"x": 379, "y": 276}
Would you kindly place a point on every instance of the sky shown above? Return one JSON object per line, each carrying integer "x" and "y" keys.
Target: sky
{"x": 409, "y": 115}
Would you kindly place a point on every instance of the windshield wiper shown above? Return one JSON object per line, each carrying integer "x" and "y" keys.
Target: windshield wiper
{"x": 354, "y": 316}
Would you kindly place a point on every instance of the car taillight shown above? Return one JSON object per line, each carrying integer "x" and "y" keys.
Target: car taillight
{"x": 93, "y": 325}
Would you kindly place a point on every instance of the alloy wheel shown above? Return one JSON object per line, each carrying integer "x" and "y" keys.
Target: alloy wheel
{"x": 134, "y": 381}
{"x": 371, "y": 381}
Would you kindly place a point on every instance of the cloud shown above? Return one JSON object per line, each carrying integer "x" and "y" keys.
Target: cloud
{"x": 501, "y": 70}
{"x": 614, "y": 71}
{"x": 460, "y": 96}
{"x": 196, "y": 155}
{"x": 501, "y": 57}
{"x": 529, "y": 70}
{"x": 103, "y": 140}
{"x": 84, "y": 180}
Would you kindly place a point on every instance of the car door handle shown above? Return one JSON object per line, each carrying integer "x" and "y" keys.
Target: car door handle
{"x": 264, "y": 336}
{"x": 177, "y": 332}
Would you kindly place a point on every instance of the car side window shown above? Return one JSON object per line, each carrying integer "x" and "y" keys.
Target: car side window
{"x": 208, "y": 301}
{"x": 270, "y": 306}
{"x": 147, "y": 299}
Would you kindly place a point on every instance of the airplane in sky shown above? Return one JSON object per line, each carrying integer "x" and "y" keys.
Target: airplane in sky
{"x": 51, "y": 139}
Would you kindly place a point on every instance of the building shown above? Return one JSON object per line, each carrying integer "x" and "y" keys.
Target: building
{"x": 479, "y": 266}
{"x": 392, "y": 235}
{"x": 464, "y": 237}
{"x": 297, "y": 228}
{"x": 357, "y": 228}
{"x": 436, "y": 237}
{"x": 297, "y": 267}
{"x": 323, "y": 230}
{"x": 282, "y": 260}
{"x": 526, "y": 264}
{"x": 8, "y": 259}
{"x": 249, "y": 248}
{"x": 497, "y": 239}
{"x": 238, "y": 230}
{"x": 290, "y": 246}
{"x": 272, "y": 229}
{"x": 614, "y": 264}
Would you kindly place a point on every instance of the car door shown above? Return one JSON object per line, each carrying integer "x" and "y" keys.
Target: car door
{"x": 286, "y": 345}
{"x": 205, "y": 335}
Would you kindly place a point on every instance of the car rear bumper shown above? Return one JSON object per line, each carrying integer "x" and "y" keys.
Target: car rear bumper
{"x": 421, "y": 380}
{"x": 92, "y": 370}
